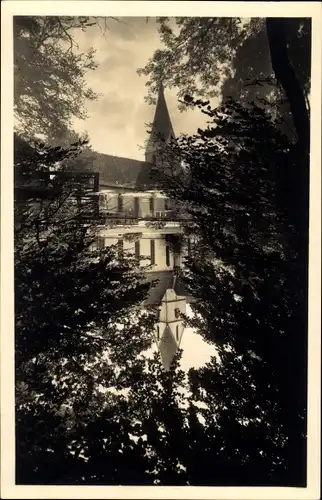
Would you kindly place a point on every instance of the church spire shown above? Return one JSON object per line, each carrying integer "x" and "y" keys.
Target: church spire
{"x": 161, "y": 126}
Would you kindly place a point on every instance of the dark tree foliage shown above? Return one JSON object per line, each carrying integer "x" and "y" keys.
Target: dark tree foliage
{"x": 286, "y": 75}
{"x": 145, "y": 440}
{"x": 50, "y": 88}
{"x": 49, "y": 74}
{"x": 248, "y": 278}
{"x": 79, "y": 326}
{"x": 66, "y": 138}
{"x": 252, "y": 73}
{"x": 197, "y": 54}
{"x": 90, "y": 407}
{"x": 201, "y": 54}
{"x": 240, "y": 59}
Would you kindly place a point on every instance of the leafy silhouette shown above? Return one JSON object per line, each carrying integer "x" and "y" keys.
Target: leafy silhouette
{"x": 49, "y": 74}
{"x": 73, "y": 305}
{"x": 248, "y": 275}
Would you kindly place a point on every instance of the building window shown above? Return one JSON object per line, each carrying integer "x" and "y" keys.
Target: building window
{"x": 102, "y": 201}
{"x": 177, "y": 332}
{"x": 167, "y": 255}
{"x": 120, "y": 249}
{"x": 166, "y": 204}
{"x": 158, "y": 333}
{"x": 152, "y": 251}
{"x": 137, "y": 250}
{"x": 151, "y": 202}
{"x": 100, "y": 243}
{"x": 120, "y": 203}
{"x": 177, "y": 312}
{"x": 136, "y": 206}
{"x": 189, "y": 247}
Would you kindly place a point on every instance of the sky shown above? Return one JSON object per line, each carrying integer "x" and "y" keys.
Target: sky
{"x": 117, "y": 122}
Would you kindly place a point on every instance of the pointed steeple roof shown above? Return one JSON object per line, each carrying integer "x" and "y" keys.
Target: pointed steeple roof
{"x": 161, "y": 125}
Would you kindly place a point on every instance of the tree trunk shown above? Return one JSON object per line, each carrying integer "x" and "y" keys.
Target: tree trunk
{"x": 295, "y": 183}
{"x": 285, "y": 74}
{"x": 297, "y": 176}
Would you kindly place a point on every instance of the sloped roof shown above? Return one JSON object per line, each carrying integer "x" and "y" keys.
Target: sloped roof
{"x": 119, "y": 171}
{"x": 113, "y": 170}
{"x": 22, "y": 149}
{"x": 165, "y": 280}
{"x": 157, "y": 291}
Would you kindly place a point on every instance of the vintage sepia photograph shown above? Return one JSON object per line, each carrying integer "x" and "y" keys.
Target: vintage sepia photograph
{"x": 161, "y": 248}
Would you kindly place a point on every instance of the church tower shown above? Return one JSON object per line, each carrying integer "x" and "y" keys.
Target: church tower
{"x": 132, "y": 195}
{"x": 161, "y": 128}
{"x": 169, "y": 328}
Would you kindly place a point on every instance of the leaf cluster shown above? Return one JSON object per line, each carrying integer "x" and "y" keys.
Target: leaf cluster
{"x": 49, "y": 74}
{"x": 245, "y": 276}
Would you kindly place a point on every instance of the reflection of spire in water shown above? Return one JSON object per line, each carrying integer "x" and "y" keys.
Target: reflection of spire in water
{"x": 167, "y": 347}
{"x": 170, "y": 326}
{"x": 169, "y": 295}
{"x": 135, "y": 181}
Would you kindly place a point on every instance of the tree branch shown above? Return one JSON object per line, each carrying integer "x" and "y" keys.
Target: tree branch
{"x": 69, "y": 37}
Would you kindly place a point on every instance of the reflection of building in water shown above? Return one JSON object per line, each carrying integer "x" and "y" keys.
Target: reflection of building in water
{"x": 130, "y": 196}
{"x": 169, "y": 296}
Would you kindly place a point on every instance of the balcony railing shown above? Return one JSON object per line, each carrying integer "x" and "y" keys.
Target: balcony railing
{"x": 130, "y": 217}
{"x": 122, "y": 218}
{"x": 165, "y": 214}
